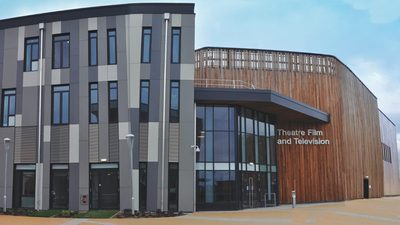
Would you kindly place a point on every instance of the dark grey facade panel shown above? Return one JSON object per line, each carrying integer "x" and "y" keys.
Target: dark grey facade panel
{"x": 143, "y": 141}
{"x": 135, "y": 129}
{"x": 112, "y": 10}
{"x": 74, "y": 186}
{"x": 152, "y": 186}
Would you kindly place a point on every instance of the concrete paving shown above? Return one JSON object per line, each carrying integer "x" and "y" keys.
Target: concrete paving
{"x": 365, "y": 212}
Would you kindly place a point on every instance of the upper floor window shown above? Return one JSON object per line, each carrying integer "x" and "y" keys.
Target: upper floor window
{"x": 92, "y": 48}
{"x": 112, "y": 46}
{"x": 113, "y": 102}
{"x": 174, "y": 102}
{"x": 61, "y": 104}
{"x": 8, "y": 108}
{"x": 31, "y": 54}
{"x": 146, "y": 45}
{"x": 93, "y": 103}
{"x": 176, "y": 45}
{"x": 144, "y": 100}
{"x": 60, "y": 51}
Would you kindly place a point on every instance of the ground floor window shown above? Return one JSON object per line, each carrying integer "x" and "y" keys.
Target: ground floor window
{"x": 173, "y": 184}
{"x": 24, "y": 186}
{"x": 59, "y": 182}
{"x": 143, "y": 186}
{"x": 104, "y": 186}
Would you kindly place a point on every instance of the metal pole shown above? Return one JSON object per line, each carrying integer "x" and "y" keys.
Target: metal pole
{"x": 166, "y": 18}
{"x": 194, "y": 160}
{"x": 5, "y": 184}
{"x": 131, "y": 164}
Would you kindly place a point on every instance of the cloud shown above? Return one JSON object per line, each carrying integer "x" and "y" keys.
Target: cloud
{"x": 398, "y": 141}
{"x": 379, "y": 11}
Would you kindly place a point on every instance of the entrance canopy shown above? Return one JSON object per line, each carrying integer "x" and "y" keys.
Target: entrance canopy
{"x": 283, "y": 107}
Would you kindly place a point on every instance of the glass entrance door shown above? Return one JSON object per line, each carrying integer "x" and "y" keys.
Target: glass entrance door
{"x": 59, "y": 191}
{"x": 104, "y": 188}
{"x": 24, "y": 186}
{"x": 249, "y": 190}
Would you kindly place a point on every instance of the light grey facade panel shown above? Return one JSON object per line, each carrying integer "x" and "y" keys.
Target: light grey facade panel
{"x": 93, "y": 143}
{"x": 113, "y": 142}
{"x": 59, "y": 144}
{"x": 25, "y": 144}
{"x": 74, "y": 186}
{"x": 143, "y": 141}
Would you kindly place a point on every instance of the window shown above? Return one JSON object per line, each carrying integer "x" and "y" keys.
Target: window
{"x": 176, "y": 45}
{"x": 9, "y": 108}
{"x": 31, "y": 54}
{"x": 61, "y": 104}
{"x": 174, "y": 102}
{"x": 113, "y": 102}
{"x": 386, "y": 153}
{"x": 59, "y": 185}
{"x": 61, "y": 51}
{"x": 144, "y": 101}
{"x": 112, "y": 46}
{"x": 92, "y": 48}
{"x": 173, "y": 186}
{"x": 142, "y": 186}
{"x": 93, "y": 103}
{"x": 146, "y": 45}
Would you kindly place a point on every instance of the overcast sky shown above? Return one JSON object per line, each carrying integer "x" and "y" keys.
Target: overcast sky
{"x": 364, "y": 34}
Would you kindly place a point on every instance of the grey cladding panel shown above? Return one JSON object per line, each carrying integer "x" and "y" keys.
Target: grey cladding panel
{"x": 93, "y": 143}
{"x": 113, "y": 142}
{"x": 25, "y": 144}
{"x": 59, "y": 144}
{"x": 143, "y": 142}
{"x": 173, "y": 153}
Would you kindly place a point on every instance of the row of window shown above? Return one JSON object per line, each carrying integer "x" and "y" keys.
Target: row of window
{"x": 61, "y": 49}
{"x": 60, "y": 103}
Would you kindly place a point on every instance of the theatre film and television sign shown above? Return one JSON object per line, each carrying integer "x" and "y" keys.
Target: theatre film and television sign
{"x": 301, "y": 137}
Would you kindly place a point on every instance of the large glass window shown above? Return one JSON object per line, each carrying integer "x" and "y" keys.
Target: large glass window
{"x": 176, "y": 45}
{"x": 144, "y": 100}
{"x": 61, "y": 104}
{"x": 112, "y": 46}
{"x": 92, "y": 48}
{"x": 146, "y": 45}
{"x": 60, "y": 51}
{"x": 174, "y": 102}
{"x": 93, "y": 103}
{"x": 113, "y": 102}
{"x": 173, "y": 184}
{"x": 31, "y": 54}
{"x": 8, "y": 108}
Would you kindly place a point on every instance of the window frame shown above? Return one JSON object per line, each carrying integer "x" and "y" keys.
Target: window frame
{"x": 108, "y": 46}
{"x": 109, "y": 101}
{"x": 61, "y": 51}
{"x": 170, "y": 101}
{"x": 25, "y": 53}
{"x": 3, "y": 95}
{"x": 172, "y": 45}
{"x": 60, "y": 107}
{"x": 90, "y": 48}
{"x": 90, "y": 102}
{"x": 142, "y": 50}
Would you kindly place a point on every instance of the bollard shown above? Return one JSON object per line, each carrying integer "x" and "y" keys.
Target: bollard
{"x": 293, "y": 199}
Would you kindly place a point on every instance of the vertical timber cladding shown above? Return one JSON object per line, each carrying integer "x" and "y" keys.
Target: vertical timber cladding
{"x": 331, "y": 172}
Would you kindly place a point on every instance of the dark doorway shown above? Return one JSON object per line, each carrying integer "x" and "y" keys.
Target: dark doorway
{"x": 59, "y": 191}
{"x": 104, "y": 186}
{"x": 143, "y": 186}
{"x": 249, "y": 190}
{"x": 366, "y": 188}
{"x": 173, "y": 184}
{"x": 24, "y": 186}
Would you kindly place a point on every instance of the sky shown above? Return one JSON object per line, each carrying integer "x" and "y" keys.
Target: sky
{"x": 364, "y": 34}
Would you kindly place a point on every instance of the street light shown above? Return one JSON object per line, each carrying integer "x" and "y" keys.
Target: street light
{"x": 130, "y": 141}
{"x": 6, "y": 148}
{"x": 196, "y": 149}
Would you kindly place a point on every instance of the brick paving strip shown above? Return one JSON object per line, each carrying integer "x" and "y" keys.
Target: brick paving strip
{"x": 79, "y": 221}
{"x": 369, "y": 217}
{"x": 240, "y": 220}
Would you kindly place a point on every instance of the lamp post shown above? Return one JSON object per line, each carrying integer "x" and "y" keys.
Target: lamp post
{"x": 195, "y": 150}
{"x": 130, "y": 140}
{"x": 6, "y": 148}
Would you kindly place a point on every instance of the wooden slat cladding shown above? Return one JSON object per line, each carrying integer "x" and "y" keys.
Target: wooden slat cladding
{"x": 113, "y": 142}
{"x": 25, "y": 144}
{"x": 143, "y": 141}
{"x": 173, "y": 151}
{"x": 59, "y": 144}
{"x": 93, "y": 143}
{"x": 318, "y": 173}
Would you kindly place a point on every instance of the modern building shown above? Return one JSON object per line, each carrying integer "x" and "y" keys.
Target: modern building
{"x": 215, "y": 128}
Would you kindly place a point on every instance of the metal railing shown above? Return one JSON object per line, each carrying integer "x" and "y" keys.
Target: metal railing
{"x": 221, "y": 83}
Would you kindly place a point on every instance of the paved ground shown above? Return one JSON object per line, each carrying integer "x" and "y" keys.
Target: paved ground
{"x": 365, "y": 212}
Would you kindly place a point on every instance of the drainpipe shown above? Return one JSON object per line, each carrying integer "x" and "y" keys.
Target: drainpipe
{"x": 166, "y": 19}
{"x": 39, "y": 165}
